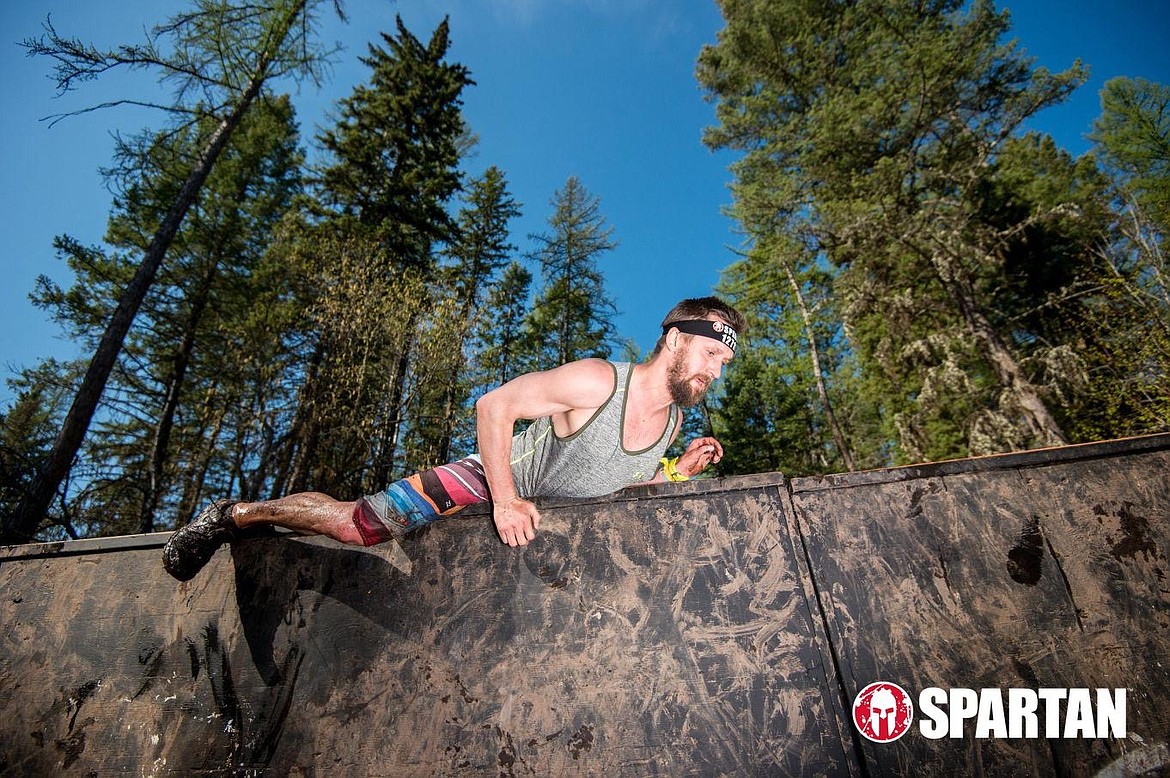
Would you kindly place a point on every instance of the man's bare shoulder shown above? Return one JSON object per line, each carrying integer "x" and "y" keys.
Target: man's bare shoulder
{"x": 589, "y": 382}
{"x": 579, "y": 385}
{"x": 586, "y": 370}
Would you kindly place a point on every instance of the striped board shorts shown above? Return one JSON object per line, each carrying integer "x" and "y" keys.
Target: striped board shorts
{"x": 420, "y": 499}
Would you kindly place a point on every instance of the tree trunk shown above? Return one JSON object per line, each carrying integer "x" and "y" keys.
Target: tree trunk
{"x": 192, "y": 498}
{"x": 162, "y": 435}
{"x": 1041, "y": 423}
{"x": 305, "y": 429}
{"x": 385, "y": 463}
{"x": 22, "y": 525}
{"x": 815, "y": 354}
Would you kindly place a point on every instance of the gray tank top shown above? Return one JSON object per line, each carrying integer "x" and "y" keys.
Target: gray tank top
{"x": 590, "y": 462}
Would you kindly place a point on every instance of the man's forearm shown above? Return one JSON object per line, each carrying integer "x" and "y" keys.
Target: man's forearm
{"x": 516, "y": 520}
{"x": 494, "y": 438}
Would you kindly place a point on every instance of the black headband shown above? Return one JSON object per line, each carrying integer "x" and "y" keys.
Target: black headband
{"x": 716, "y": 330}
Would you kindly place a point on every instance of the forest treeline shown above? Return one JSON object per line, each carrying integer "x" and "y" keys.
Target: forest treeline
{"x": 925, "y": 277}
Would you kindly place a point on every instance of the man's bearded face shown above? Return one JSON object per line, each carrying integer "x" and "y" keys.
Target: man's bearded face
{"x": 682, "y": 387}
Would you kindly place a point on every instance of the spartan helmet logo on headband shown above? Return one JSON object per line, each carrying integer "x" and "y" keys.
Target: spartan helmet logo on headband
{"x": 716, "y": 330}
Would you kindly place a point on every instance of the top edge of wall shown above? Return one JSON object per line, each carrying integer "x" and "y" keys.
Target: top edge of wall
{"x": 700, "y": 487}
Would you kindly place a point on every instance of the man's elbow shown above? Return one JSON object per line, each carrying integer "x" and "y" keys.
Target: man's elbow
{"x": 488, "y": 405}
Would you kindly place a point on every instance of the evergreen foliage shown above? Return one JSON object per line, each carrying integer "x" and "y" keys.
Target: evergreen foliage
{"x": 883, "y": 140}
{"x": 220, "y": 58}
{"x": 1126, "y": 332}
{"x": 381, "y": 200}
{"x": 475, "y": 259}
{"x": 182, "y": 346}
{"x": 1132, "y": 136}
{"x": 571, "y": 316}
{"x": 504, "y": 347}
{"x": 923, "y": 278}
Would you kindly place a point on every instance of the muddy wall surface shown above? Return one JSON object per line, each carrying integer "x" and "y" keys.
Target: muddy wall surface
{"x": 715, "y": 627}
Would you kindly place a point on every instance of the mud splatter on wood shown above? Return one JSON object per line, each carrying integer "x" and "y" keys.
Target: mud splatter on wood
{"x": 1001, "y": 577}
{"x": 706, "y": 628}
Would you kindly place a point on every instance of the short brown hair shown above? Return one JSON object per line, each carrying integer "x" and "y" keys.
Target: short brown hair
{"x": 700, "y": 308}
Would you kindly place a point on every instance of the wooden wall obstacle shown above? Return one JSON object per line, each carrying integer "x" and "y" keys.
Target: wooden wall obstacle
{"x": 719, "y": 627}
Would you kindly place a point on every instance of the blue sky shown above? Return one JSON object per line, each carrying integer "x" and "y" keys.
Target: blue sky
{"x": 599, "y": 89}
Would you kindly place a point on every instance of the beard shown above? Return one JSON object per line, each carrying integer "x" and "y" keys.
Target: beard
{"x": 682, "y": 391}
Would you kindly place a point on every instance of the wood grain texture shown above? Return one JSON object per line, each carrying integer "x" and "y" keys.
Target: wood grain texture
{"x": 707, "y": 628}
{"x": 665, "y": 635}
{"x": 1045, "y": 574}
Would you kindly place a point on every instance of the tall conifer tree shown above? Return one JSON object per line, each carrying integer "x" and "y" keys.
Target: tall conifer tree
{"x": 572, "y": 314}
{"x": 1127, "y": 328}
{"x": 226, "y": 55}
{"x": 870, "y": 134}
{"x": 384, "y": 193}
{"x": 183, "y": 350}
{"x": 504, "y": 348}
{"x": 474, "y": 259}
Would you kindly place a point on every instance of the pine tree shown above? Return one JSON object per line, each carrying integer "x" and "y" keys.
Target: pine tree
{"x": 1132, "y": 139}
{"x": 1126, "y": 328}
{"x": 504, "y": 349}
{"x": 382, "y": 198}
{"x": 27, "y": 431}
{"x": 572, "y": 313}
{"x": 396, "y": 148}
{"x": 178, "y": 352}
{"x": 226, "y": 55}
{"x": 781, "y": 397}
{"x": 870, "y": 134}
{"x": 475, "y": 258}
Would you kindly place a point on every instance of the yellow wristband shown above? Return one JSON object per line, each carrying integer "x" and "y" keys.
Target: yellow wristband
{"x": 670, "y": 470}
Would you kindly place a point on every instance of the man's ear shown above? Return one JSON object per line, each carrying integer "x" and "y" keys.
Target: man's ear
{"x": 673, "y": 335}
